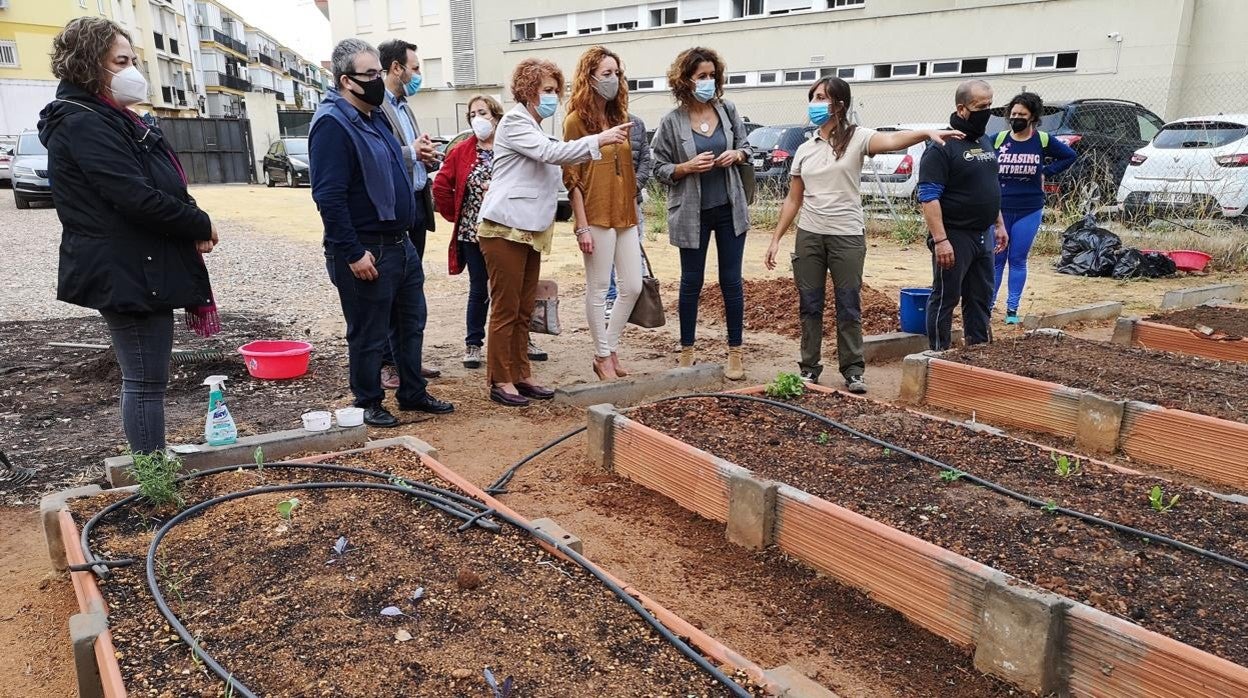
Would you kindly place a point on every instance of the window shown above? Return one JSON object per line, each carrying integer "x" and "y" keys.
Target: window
{"x": 845, "y": 73}
{"x": 431, "y": 72}
{"x": 747, "y": 8}
{"x": 636, "y": 85}
{"x": 1067, "y": 61}
{"x": 738, "y": 79}
{"x": 621, "y": 18}
{"x": 550, "y": 27}
{"x": 1014, "y": 63}
{"x": 827, "y": 72}
{"x": 767, "y": 79}
{"x": 971, "y": 66}
{"x": 8, "y": 54}
{"x": 398, "y": 17}
{"x": 363, "y": 15}
{"x": 663, "y": 17}
{"x": 621, "y": 26}
{"x": 945, "y": 67}
{"x": 694, "y": 11}
{"x": 589, "y": 22}
{"x": 1193, "y": 134}
{"x": 905, "y": 70}
{"x": 1045, "y": 62}
{"x": 428, "y": 10}
{"x": 524, "y": 31}
{"x": 834, "y": 4}
{"x": 800, "y": 75}
{"x": 783, "y": 7}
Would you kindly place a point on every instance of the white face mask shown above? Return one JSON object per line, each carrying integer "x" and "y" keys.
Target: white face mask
{"x": 129, "y": 86}
{"x": 483, "y": 127}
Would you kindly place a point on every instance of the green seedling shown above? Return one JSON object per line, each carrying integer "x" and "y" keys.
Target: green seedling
{"x": 173, "y": 581}
{"x": 157, "y": 474}
{"x": 258, "y": 455}
{"x": 824, "y": 438}
{"x": 951, "y": 475}
{"x": 1157, "y": 499}
{"x": 1066, "y": 466}
{"x": 887, "y": 452}
{"x": 1050, "y": 507}
{"x": 286, "y": 507}
{"x": 786, "y": 386}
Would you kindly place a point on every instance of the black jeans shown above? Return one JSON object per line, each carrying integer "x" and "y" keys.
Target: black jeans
{"x": 478, "y": 293}
{"x": 730, "y": 249}
{"x": 143, "y": 343}
{"x": 396, "y": 299}
{"x": 969, "y": 280}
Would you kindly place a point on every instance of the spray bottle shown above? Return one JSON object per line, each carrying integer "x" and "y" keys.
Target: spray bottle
{"x": 219, "y": 429}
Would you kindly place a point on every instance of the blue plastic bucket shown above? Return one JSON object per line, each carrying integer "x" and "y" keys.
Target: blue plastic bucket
{"x": 913, "y": 304}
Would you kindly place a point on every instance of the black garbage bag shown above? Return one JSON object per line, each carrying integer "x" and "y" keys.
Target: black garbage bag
{"x": 1088, "y": 249}
{"x": 1133, "y": 264}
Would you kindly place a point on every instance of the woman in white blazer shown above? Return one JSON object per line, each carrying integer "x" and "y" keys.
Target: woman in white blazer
{"x": 517, "y": 221}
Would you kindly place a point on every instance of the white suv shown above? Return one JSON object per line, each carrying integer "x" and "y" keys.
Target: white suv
{"x": 895, "y": 175}
{"x": 1193, "y": 166}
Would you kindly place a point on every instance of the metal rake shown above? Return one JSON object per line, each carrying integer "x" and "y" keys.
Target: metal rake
{"x": 12, "y": 476}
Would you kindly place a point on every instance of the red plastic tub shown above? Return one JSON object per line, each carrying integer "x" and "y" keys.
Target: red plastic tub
{"x": 276, "y": 360}
{"x": 1189, "y": 260}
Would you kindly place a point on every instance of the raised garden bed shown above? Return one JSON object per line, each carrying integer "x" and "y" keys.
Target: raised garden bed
{"x": 1180, "y": 413}
{"x": 405, "y": 605}
{"x": 1211, "y": 332}
{"x": 772, "y": 306}
{"x": 895, "y": 528}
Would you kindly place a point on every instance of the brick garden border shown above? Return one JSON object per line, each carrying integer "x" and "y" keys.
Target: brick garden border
{"x": 99, "y": 674}
{"x": 1040, "y": 641}
{"x": 1212, "y": 449}
{"x": 1135, "y": 332}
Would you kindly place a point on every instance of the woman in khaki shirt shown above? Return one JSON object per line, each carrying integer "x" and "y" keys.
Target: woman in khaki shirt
{"x": 603, "y": 193}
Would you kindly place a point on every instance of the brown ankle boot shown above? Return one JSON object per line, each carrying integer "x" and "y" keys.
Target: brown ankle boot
{"x": 735, "y": 370}
{"x": 686, "y": 357}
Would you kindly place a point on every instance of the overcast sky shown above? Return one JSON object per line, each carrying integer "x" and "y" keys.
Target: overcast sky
{"x": 295, "y": 23}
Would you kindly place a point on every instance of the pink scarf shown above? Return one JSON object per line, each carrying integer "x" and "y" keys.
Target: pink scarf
{"x": 203, "y": 320}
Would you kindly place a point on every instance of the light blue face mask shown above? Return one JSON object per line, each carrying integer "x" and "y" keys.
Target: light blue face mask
{"x": 413, "y": 85}
{"x": 818, "y": 113}
{"x": 704, "y": 90}
{"x": 547, "y": 105}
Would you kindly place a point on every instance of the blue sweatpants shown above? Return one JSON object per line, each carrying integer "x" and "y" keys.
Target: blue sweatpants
{"x": 1022, "y": 227}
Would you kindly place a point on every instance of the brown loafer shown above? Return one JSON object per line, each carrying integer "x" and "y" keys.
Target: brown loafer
{"x": 535, "y": 392}
{"x": 505, "y": 398}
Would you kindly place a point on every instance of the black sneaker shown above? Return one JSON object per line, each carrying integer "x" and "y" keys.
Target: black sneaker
{"x": 536, "y": 354}
{"x": 430, "y": 404}
{"x": 856, "y": 385}
{"x": 810, "y": 377}
{"x": 379, "y": 417}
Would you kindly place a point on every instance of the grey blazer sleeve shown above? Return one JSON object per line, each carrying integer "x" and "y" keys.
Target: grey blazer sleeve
{"x": 643, "y": 161}
{"x": 666, "y": 151}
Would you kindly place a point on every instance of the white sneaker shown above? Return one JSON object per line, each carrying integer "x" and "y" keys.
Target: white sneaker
{"x": 472, "y": 356}
{"x": 856, "y": 384}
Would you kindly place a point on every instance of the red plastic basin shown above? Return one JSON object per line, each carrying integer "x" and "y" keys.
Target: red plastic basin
{"x": 1189, "y": 260}
{"x": 276, "y": 360}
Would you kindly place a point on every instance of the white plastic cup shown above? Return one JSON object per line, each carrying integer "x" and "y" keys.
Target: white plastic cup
{"x": 317, "y": 421}
{"x": 349, "y": 416}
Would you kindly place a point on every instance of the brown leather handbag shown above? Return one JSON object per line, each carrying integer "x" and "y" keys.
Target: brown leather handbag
{"x": 648, "y": 312}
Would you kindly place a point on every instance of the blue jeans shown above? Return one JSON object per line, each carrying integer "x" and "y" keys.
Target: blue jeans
{"x": 394, "y": 300}
{"x": 478, "y": 293}
{"x": 143, "y": 343}
{"x": 716, "y": 222}
{"x": 1022, "y": 227}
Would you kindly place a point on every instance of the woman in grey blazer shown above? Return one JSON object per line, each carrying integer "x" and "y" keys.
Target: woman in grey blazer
{"x": 517, "y": 221}
{"x": 696, "y": 150}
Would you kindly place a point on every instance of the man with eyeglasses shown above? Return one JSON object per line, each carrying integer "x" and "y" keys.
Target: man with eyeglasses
{"x": 403, "y": 79}
{"x": 362, "y": 186}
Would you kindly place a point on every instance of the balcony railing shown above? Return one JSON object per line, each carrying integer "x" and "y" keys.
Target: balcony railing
{"x": 296, "y": 75}
{"x": 225, "y": 40}
{"x": 233, "y": 82}
{"x": 160, "y": 40}
{"x": 173, "y": 47}
{"x": 267, "y": 60}
{"x": 281, "y": 97}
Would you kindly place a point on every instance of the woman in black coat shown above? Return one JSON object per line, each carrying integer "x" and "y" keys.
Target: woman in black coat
{"x": 133, "y": 237}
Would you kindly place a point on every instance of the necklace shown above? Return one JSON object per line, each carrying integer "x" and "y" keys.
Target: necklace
{"x": 704, "y": 127}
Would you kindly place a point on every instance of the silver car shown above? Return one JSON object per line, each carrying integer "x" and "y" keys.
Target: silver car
{"x": 30, "y": 171}
{"x": 6, "y": 158}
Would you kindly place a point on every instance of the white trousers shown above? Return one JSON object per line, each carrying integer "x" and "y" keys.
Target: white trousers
{"x": 620, "y": 248}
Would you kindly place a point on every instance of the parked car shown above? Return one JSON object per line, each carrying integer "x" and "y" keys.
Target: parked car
{"x": 1104, "y": 132}
{"x": 774, "y": 147}
{"x": 1194, "y": 166}
{"x": 287, "y": 162}
{"x": 563, "y": 207}
{"x": 895, "y": 174}
{"x": 30, "y": 170}
{"x": 6, "y": 159}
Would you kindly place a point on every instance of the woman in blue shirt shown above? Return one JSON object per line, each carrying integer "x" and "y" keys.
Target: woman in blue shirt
{"x": 1022, "y": 154}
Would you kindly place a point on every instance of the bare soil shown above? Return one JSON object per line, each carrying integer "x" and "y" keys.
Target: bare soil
{"x": 771, "y": 305}
{"x": 1186, "y": 596}
{"x": 1222, "y": 319}
{"x": 1204, "y": 386}
{"x": 251, "y": 584}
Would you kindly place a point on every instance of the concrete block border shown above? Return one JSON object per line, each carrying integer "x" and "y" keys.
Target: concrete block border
{"x": 1212, "y": 449}
{"x": 1153, "y": 335}
{"x": 641, "y": 387}
{"x": 1194, "y": 296}
{"x": 95, "y": 655}
{"x": 1057, "y": 319}
{"x": 1039, "y": 641}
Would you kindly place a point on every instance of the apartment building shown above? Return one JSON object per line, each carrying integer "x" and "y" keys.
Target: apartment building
{"x": 221, "y": 58}
{"x": 161, "y": 36}
{"x": 903, "y": 57}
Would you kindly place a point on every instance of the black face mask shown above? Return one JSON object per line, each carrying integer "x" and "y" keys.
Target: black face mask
{"x": 1019, "y": 125}
{"x": 972, "y": 126}
{"x": 374, "y": 90}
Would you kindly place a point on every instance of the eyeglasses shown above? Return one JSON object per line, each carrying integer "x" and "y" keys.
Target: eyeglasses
{"x": 370, "y": 75}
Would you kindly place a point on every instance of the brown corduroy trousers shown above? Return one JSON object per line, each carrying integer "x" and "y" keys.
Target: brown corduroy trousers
{"x": 513, "y": 268}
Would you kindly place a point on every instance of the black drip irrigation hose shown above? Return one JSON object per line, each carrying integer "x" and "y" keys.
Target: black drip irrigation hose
{"x": 499, "y": 486}
{"x": 471, "y": 511}
{"x": 961, "y": 474}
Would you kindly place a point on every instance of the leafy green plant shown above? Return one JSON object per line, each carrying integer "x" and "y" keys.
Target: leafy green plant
{"x": 951, "y": 475}
{"x": 786, "y": 386}
{"x": 1066, "y": 466}
{"x": 824, "y": 438}
{"x": 1157, "y": 499}
{"x": 1049, "y": 507}
{"x": 258, "y": 456}
{"x": 887, "y": 452}
{"x": 157, "y": 473}
{"x": 286, "y": 507}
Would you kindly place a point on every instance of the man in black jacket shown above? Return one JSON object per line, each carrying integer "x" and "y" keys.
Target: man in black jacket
{"x": 961, "y": 200}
